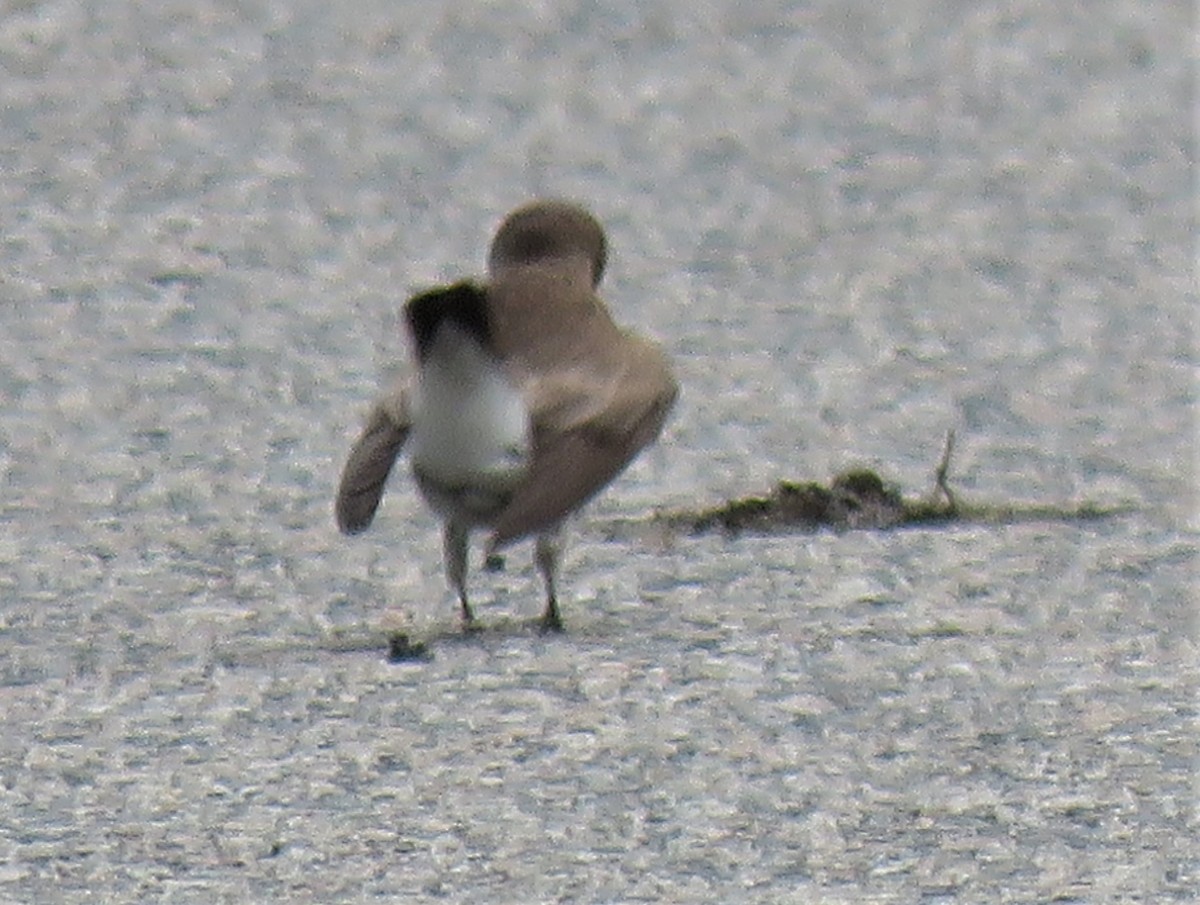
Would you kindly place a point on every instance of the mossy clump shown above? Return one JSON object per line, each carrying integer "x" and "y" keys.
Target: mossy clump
{"x": 860, "y": 498}
{"x": 854, "y": 499}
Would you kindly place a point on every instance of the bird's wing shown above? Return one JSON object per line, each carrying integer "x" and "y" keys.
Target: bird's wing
{"x": 585, "y": 431}
{"x": 370, "y": 462}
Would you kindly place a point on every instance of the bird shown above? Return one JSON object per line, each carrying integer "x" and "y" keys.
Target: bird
{"x": 527, "y": 399}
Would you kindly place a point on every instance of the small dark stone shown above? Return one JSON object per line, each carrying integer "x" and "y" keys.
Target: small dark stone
{"x": 402, "y": 650}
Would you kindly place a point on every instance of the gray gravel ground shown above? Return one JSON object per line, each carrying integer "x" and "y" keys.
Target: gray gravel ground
{"x": 853, "y": 224}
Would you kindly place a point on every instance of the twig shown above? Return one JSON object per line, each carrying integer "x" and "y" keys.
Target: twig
{"x": 943, "y": 472}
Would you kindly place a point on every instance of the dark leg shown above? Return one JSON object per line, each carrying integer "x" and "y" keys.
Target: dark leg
{"x": 455, "y": 546}
{"x": 546, "y": 554}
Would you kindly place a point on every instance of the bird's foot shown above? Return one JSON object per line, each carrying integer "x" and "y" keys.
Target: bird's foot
{"x": 552, "y": 622}
{"x": 469, "y": 622}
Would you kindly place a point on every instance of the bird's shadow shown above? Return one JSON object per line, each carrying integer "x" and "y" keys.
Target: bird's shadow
{"x": 404, "y": 647}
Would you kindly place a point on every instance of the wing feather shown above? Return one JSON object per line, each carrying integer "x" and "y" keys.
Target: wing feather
{"x": 370, "y": 462}
{"x": 585, "y": 434}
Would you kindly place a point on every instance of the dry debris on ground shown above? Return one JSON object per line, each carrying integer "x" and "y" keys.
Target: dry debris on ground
{"x": 860, "y": 498}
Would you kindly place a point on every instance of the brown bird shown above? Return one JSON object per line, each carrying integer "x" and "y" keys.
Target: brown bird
{"x": 527, "y": 400}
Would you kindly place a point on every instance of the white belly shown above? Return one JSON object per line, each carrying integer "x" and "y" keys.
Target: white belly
{"x": 470, "y": 435}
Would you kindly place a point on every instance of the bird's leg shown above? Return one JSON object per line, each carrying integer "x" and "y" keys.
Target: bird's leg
{"x": 549, "y": 546}
{"x": 455, "y": 546}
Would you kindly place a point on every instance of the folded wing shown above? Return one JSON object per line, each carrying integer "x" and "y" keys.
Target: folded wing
{"x": 583, "y": 438}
